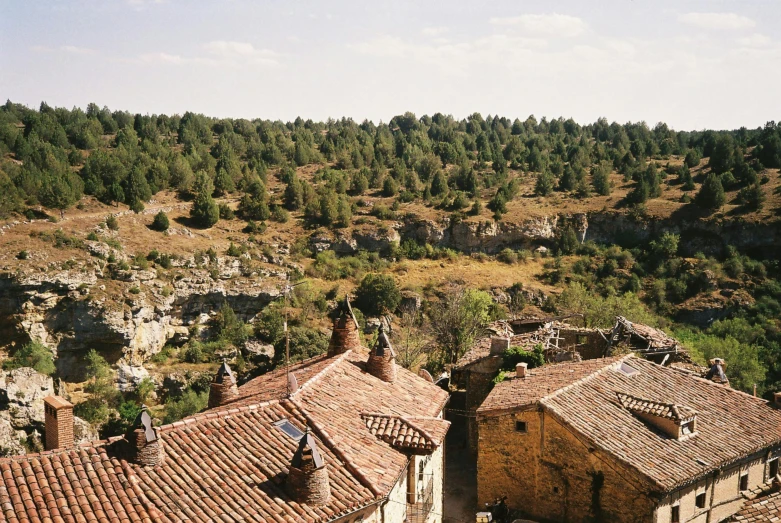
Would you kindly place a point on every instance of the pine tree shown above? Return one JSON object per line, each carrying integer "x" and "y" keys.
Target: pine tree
{"x": 601, "y": 180}
{"x": 544, "y": 184}
{"x": 711, "y": 195}
{"x": 204, "y": 211}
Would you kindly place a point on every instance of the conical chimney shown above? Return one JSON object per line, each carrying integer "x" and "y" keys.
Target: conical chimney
{"x": 147, "y": 449}
{"x": 307, "y": 479}
{"x": 382, "y": 358}
{"x": 345, "y": 335}
{"x": 223, "y": 388}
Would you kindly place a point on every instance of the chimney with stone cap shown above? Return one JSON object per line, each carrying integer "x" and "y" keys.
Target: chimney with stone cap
{"x": 307, "y": 478}
{"x": 382, "y": 358}
{"x": 520, "y": 369}
{"x": 345, "y": 335}
{"x": 223, "y": 388}
{"x": 145, "y": 444}
{"x": 59, "y": 422}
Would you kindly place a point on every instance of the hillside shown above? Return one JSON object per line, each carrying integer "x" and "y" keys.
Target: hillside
{"x": 529, "y": 217}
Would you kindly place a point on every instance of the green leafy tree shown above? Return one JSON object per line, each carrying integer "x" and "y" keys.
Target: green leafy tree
{"x": 377, "y": 294}
{"x": 35, "y": 355}
{"x": 458, "y": 318}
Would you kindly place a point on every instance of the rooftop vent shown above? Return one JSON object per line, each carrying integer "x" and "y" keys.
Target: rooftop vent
{"x": 676, "y": 421}
{"x": 59, "y": 422}
{"x": 223, "y": 388}
{"x": 382, "y": 358}
{"x": 144, "y": 441}
{"x": 307, "y": 479}
{"x": 345, "y": 335}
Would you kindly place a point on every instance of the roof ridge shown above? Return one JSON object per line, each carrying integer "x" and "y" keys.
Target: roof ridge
{"x": 586, "y": 378}
{"x": 215, "y": 413}
{"x": 713, "y": 383}
{"x": 338, "y": 359}
{"x": 326, "y": 438}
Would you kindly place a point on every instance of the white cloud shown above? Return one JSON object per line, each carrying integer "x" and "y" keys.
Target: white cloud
{"x": 71, "y": 49}
{"x": 562, "y": 26}
{"x": 723, "y": 21}
{"x": 240, "y": 52}
{"x": 755, "y": 40}
{"x": 434, "y": 31}
{"x": 218, "y": 53}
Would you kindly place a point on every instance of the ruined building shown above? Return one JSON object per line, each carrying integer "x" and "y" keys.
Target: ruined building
{"x": 624, "y": 439}
{"x": 347, "y": 436}
{"x": 475, "y": 371}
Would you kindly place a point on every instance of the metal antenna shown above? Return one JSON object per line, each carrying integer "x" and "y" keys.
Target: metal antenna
{"x": 285, "y": 292}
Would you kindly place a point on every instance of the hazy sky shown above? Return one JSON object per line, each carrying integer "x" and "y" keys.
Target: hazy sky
{"x": 692, "y": 64}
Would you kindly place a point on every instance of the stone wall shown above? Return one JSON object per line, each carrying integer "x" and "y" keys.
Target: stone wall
{"x": 549, "y": 474}
{"x": 723, "y": 497}
{"x": 478, "y": 379}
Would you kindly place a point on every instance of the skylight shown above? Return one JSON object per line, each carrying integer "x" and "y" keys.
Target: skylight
{"x": 627, "y": 369}
{"x": 288, "y": 428}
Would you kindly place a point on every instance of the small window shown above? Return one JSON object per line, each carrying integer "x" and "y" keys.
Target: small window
{"x": 687, "y": 428}
{"x": 288, "y": 428}
{"x": 675, "y": 514}
{"x": 555, "y": 490}
{"x": 773, "y": 468}
{"x": 582, "y": 339}
{"x": 627, "y": 370}
{"x": 699, "y": 501}
{"x": 744, "y": 481}
{"x": 520, "y": 426}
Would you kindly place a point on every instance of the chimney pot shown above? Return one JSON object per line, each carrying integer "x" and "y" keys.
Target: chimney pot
{"x": 307, "y": 479}
{"x": 777, "y": 399}
{"x": 58, "y": 422}
{"x": 520, "y": 369}
{"x": 499, "y": 344}
{"x": 382, "y": 359}
{"x": 145, "y": 441}
{"x": 223, "y": 388}
{"x": 345, "y": 335}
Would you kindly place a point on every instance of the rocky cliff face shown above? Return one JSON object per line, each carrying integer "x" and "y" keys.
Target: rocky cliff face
{"x": 74, "y": 312}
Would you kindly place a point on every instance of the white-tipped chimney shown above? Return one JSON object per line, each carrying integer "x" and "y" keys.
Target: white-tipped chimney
{"x": 520, "y": 369}
{"x": 777, "y": 399}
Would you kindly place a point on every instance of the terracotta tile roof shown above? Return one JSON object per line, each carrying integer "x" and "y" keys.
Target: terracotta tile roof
{"x": 229, "y": 463}
{"x": 730, "y": 423}
{"x": 761, "y": 509}
{"x": 407, "y": 433}
{"x": 515, "y": 393}
{"x": 656, "y": 408}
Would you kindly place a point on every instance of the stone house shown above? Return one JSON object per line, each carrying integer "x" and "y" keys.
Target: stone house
{"x": 623, "y": 439}
{"x": 347, "y": 436}
{"x": 562, "y": 341}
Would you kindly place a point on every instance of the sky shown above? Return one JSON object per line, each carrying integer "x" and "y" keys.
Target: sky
{"x": 694, "y": 64}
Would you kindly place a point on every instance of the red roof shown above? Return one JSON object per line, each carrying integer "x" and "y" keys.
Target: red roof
{"x": 229, "y": 463}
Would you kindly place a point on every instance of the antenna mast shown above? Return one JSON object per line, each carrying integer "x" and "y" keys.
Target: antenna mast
{"x": 287, "y": 336}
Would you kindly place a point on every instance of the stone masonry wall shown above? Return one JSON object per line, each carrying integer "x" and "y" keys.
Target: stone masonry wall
{"x": 549, "y": 474}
